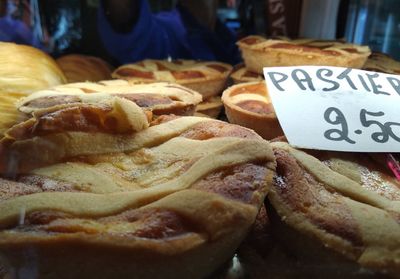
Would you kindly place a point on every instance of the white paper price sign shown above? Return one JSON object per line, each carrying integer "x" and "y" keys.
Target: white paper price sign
{"x": 333, "y": 108}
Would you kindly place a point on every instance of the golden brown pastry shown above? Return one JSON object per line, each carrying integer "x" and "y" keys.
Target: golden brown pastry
{"x": 248, "y": 104}
{"x": 9, "y": 115}
{"x": 206, "y": 77}
{"x": 380, "y": 62}
{"x": 259, "y": 52}
{"x": 210, "y": 108}
{"x": 176, "y": 204}
{"x": 24, "y": 69}
{"x": 77, "y": 68}
{"x": 241, "y": 74}
{"x": 343, "y": 203}
{"x": 89, "y": 118}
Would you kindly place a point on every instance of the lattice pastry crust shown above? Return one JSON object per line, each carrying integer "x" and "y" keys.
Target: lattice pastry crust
{"x": 206, "y": 77}
{"x": 174, "y": 202}
{"x": 259, "y": 52}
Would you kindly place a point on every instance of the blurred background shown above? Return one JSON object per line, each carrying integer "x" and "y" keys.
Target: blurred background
{"x": 70, "y": 26}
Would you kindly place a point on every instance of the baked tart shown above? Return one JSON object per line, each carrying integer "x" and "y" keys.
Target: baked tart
{"x": 206, "y": 77}
{"x": 176, "y": 204}
{"x": 210, "y": 108}
{"x": 380, "y": 62}
{"x": 248, "y": 104}
{"x": 67, "y": 121}
{"x": 241, "y": 74}
{"x": 259, "y": 52}
{"x": 78, "y": 67}
{"x": 337, "y": 207}
{"x": 159, "y": 98}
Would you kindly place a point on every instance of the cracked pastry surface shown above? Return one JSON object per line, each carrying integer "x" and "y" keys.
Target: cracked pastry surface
{"x": 346, "y": 203}
{"x": 259, "y": 52}
{"x": 185, "y": 198}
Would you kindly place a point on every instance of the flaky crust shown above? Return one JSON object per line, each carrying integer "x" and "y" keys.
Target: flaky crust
{"x": 259, "y": 52}
{"x": 356, "y": 218}
{"x": 173, "y": 205}
{"x": 248, "y": 104}
{"x": 24, "y": 69}
{"x": 78, "y": 68}
{"x": 206, "y": 77}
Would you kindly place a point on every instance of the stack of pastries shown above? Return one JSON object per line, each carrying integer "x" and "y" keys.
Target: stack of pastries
{"x": 131, "y": 178}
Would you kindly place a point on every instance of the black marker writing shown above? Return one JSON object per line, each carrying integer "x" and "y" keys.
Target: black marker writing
{"x": 341, "y": 134}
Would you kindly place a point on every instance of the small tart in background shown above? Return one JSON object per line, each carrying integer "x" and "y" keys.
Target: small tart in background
{"x": 248, "y": 104}
{"x": 241, "y": 74}
{"x": 380, "y": 62}
{"x": 210, "y": 108}
{"x": 259, "y": 52}
{"x": 77, "y": 68}
{"x": 206, "y": 77}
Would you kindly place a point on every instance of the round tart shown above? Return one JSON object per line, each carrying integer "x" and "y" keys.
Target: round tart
{"x": 259, "y": 52}
{"x": 77, "y": 68}
{"x": 88, "y": 118}
{"x": 380, "y": 62}
{"x": 241, "y": 74}
{"x": 211, "y": 107}
{"x": 337, "y": 207}
{"x": 175, "y": 204}
{"x": 159, "y": 98}
{"x": 206, "y": 77}
{"x": 248, "y": 104}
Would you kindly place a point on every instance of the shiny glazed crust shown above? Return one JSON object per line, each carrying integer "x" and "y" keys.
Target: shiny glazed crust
{"x": 259, "y": 52}
{"x": 343, "y": 203}
{"x": 249, "y": 105}
{"x": 78, "y": 68}
{"x": 173, "y": 206}
{"x": 206, "y": 77}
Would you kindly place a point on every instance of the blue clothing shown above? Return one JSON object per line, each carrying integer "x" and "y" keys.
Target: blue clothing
{"x": 174, "y": 34}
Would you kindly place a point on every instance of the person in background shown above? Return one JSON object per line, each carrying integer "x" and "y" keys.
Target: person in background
{"x": 131, "y": 32}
